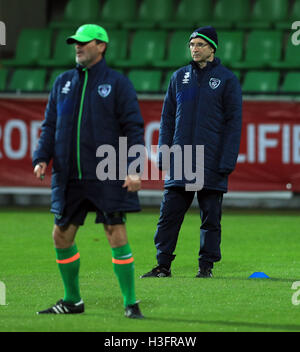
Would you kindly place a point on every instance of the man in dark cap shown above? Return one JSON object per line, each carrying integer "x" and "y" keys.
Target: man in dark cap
{"x": 202, "y": 107}
{"x": 90, "y": 106}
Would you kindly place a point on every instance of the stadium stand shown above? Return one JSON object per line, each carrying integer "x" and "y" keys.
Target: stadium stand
{"x": 267, "y": 43}
{"x": 151, "y": 14}
{"x": 265, "y": 14}
{"x": 189, "y": 14}
{"x": 118, "y": 45}
{"x": 230, "y": 48}
{"x": 261, "y": 81}
{"x": 77, "y": 13}
{"x": 28, "y": 80}
{"x": 254, "y": 36}
{"x": 115, "y": 12}
{"x": 147, "y": 47}
{"x": 294, "y": 15}
{"x": 146, "y": 81}
{"x": 237, "y": 73}
{"x": 290, "y": 59}
{"x": 228, "y": 13}
{"x": 63, "y": 54}
{"x": 33, "y": 45}
{"x": 175, "y": 57}
{"x": 291, "y": 82}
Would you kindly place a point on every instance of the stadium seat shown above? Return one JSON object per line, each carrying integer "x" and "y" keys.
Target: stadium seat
{"x": 115, "y": 12}
{"x": 265, "y": 14}
{"x": 28, "y": 80}
{"x": 178, "y": 53}
{"x": 166, "y": 80}
{"x": 3, "y": 79}
{"x": 117, "y": 47}
{"x": 190, "y": 14}
{"x": 238, "y": 74}
{"x": 291, "y": 82}
{"x": 145, "y": 81}
{"x": 290, "y": 59}
{"x": 292, "y": 17}
{"x": 147, "y": 47}
{"x": 228, "y": 13}
{"x": 53, "y": 75}
{"x": 230, "y": 48}
{"x": 64, "y": 54}
{"x": 77, "y": 13}
{"x": 151, "y": 14}
{"x": 262, "y": 48}
{"x": 261, "y": 82}
{"x": 32, "y": 45}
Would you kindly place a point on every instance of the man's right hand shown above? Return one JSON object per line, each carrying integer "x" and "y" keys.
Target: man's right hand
{"x": 40, "y": 170}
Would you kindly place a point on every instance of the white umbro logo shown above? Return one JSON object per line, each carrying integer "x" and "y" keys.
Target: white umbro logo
{"x": 186, "y": 78}
{"x": 66, "y": 88}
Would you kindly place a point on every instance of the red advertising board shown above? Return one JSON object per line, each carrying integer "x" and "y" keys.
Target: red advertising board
{"x": 269, "y": 158}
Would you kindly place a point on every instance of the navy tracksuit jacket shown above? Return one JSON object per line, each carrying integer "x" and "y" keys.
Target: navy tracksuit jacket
{"x": 109, "y": 109}
{"x": 204, "y": 107}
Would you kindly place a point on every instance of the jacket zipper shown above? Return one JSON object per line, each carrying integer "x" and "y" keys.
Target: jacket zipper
{"x": 79, "y": 122}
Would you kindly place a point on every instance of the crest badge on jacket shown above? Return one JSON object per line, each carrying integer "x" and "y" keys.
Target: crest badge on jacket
{"x": 214, "y": 83}
{"x": 104, "y": 90}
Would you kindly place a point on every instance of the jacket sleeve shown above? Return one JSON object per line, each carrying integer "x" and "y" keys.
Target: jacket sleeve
{"x": 45, "y": 147}
{"x": 167, "y": 121}
{"x": 233, "y": 126}
{"x": 128, "y": 110}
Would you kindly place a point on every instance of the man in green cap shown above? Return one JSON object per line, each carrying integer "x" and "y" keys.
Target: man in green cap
{"x": 90, "y": 106}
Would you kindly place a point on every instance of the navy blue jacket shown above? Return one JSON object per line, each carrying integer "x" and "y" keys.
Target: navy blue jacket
{"x": 110, "y": 110}
{"x": 204, "y": 107}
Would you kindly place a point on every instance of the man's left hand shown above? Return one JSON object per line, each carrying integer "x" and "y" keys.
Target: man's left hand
{"x": 133, "y": 183}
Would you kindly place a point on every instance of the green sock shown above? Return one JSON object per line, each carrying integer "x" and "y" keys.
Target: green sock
{"x": 68, "y": 262}
{"x": 123, "y": 265}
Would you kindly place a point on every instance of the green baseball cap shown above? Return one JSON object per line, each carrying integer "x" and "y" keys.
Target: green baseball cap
{"x": 88, "y": 32}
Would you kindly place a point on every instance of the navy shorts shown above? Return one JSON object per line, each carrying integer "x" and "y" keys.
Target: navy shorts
{"x": 81, "y": 199}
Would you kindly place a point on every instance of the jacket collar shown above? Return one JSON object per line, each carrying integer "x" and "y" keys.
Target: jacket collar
{"x": 97, "y": 68}
{"x": 210, "y": 64}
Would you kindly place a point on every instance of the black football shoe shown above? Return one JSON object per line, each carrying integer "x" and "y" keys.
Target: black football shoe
{"x": 133, "y": 311}
{"x": 62, "y": 307}
{"x": 204, "y": 272}
{"x": 158, "y": 271}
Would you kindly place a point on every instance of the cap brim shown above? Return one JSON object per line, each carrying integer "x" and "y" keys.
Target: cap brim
{"x": 78, "y": 38}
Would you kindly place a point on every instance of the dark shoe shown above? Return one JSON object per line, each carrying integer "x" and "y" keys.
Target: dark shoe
{"x": 158, "y": 271}
{"x": 204, "y": 272}
{"x": 62, "y": 307}
{"x": 133, "y": 311}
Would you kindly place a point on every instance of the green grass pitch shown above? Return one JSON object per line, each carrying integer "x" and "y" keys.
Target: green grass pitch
{"x": 266, "y": 242}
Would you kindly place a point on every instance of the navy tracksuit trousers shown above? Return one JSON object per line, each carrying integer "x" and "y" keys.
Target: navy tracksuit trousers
{"x": 176, "y": 201}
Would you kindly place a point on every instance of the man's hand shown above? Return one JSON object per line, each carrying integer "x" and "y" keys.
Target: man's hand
{"x": 133, "y": 183}
{"x": 40, "y": 170}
